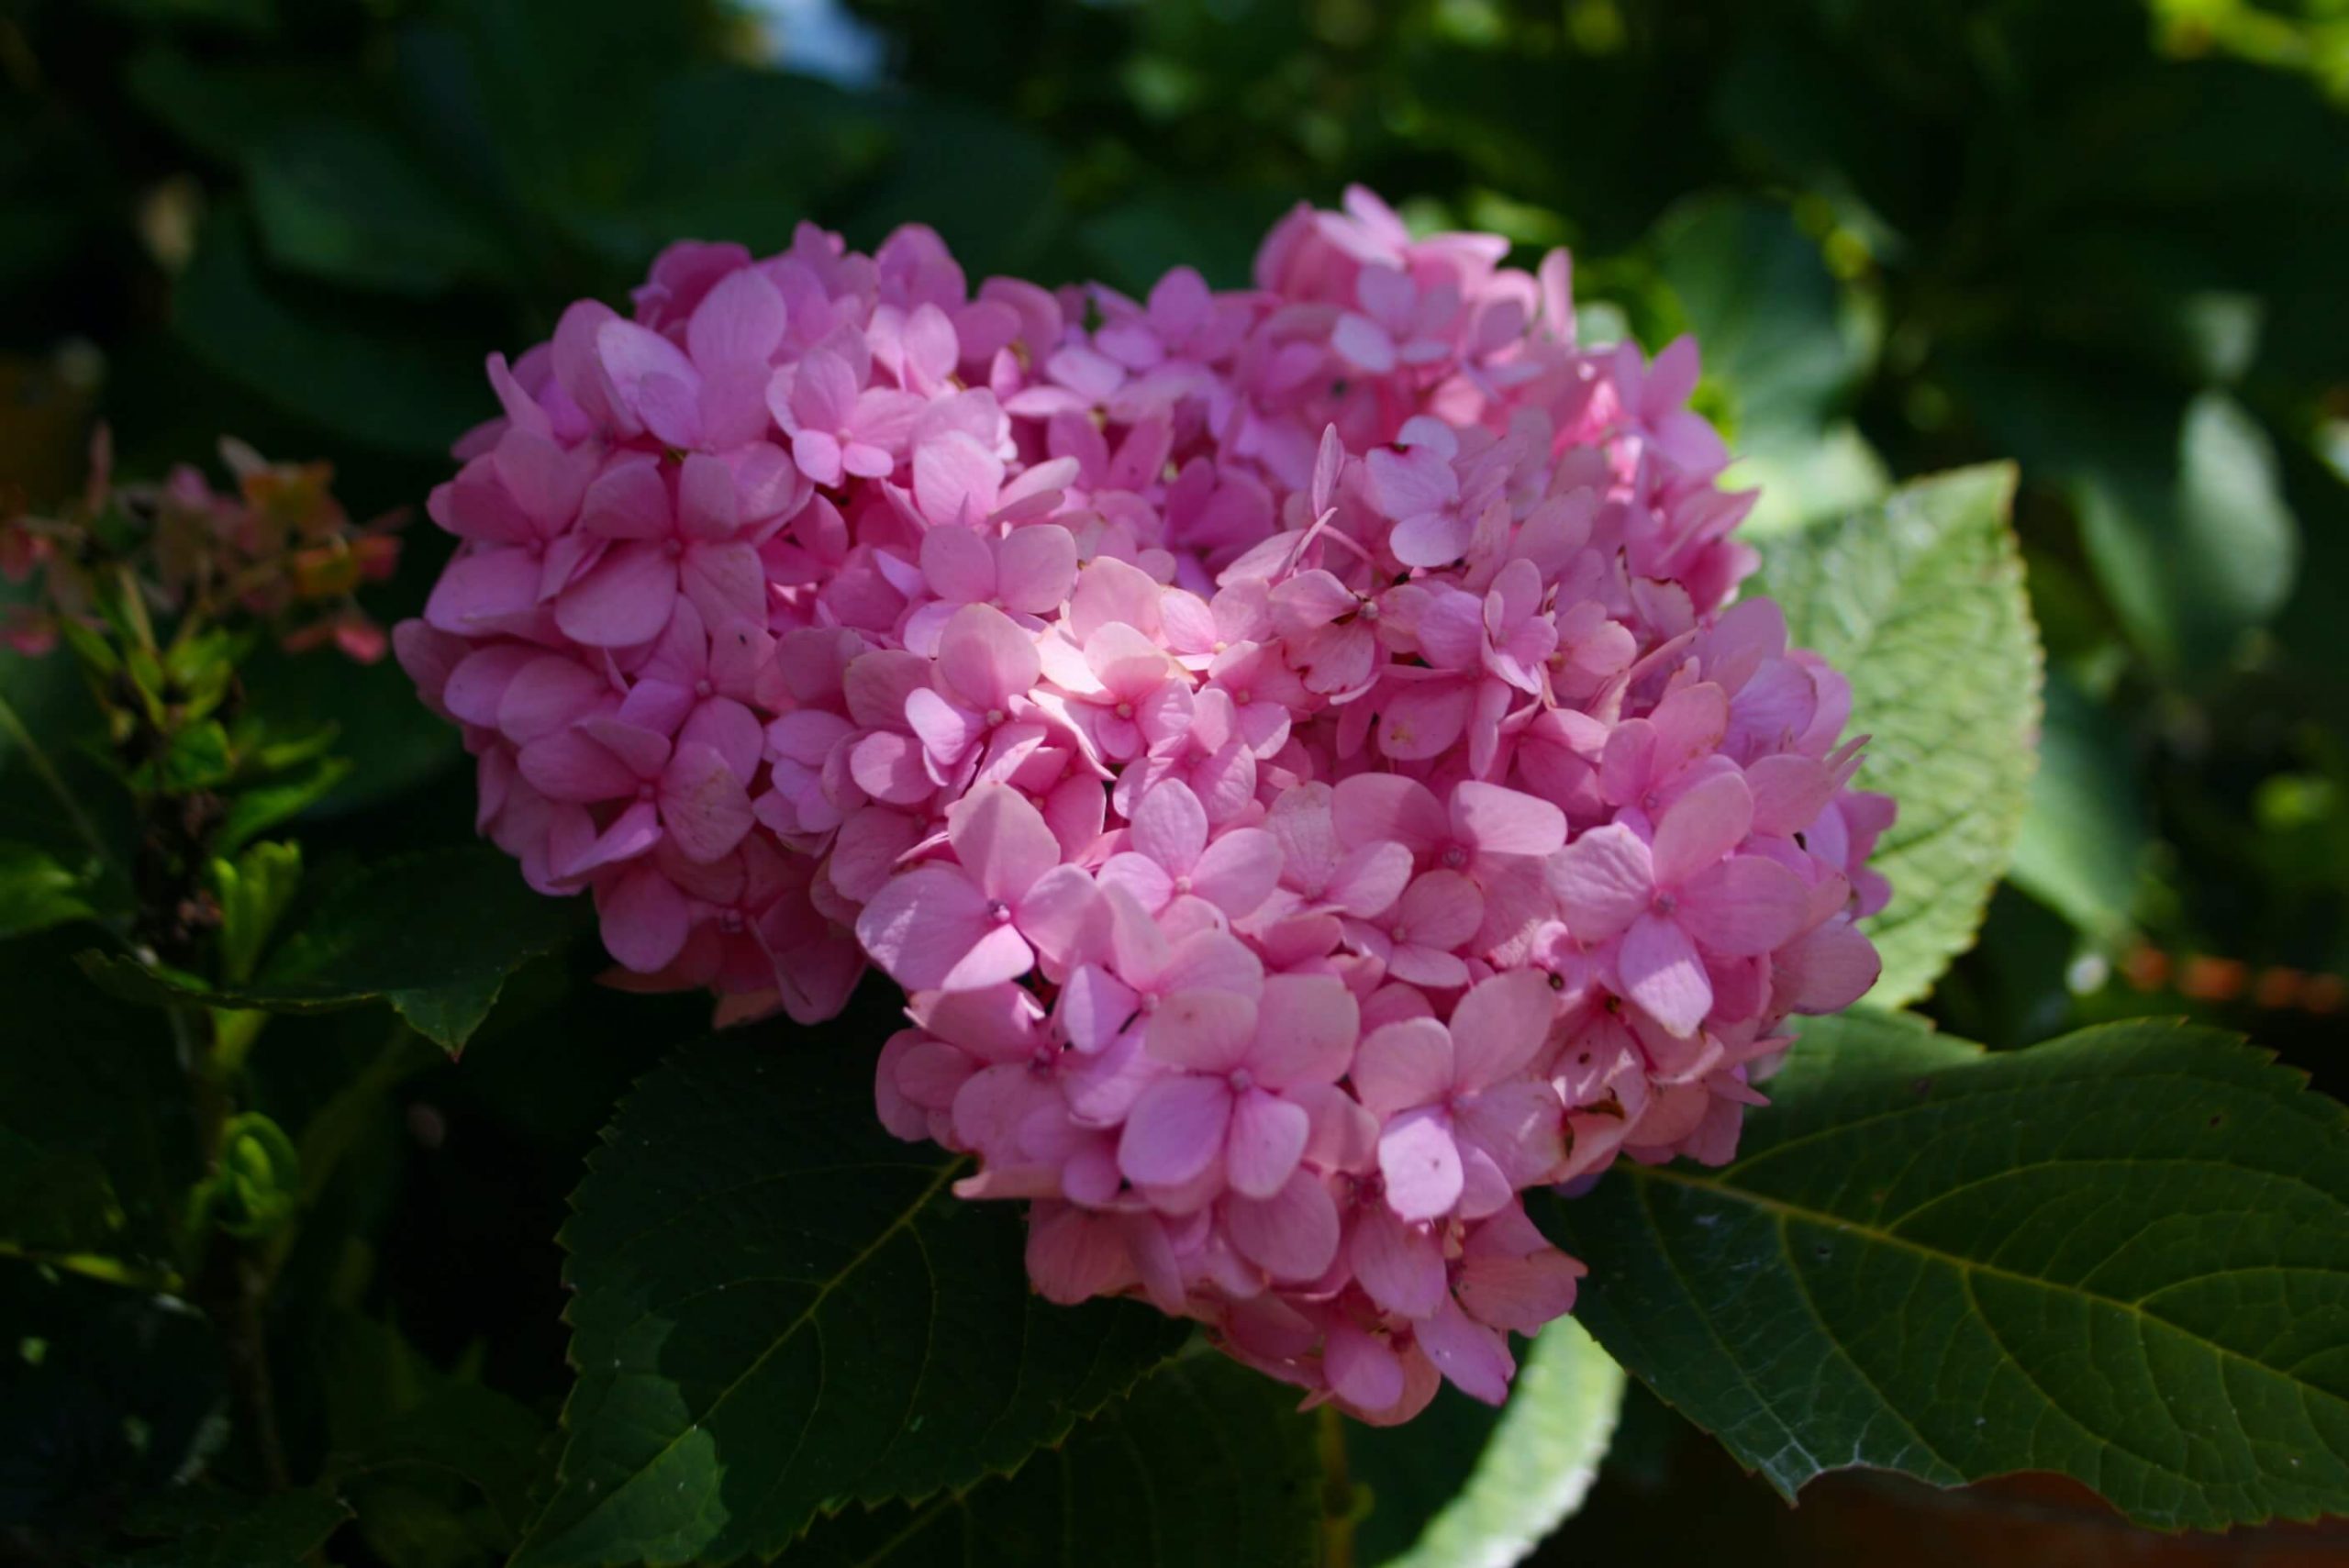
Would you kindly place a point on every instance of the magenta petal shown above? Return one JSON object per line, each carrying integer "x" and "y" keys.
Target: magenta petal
{"x": 1398, "y": 1263}
{"x": 1420, "y": 1162}
{"x": 1291, "y": 1235}
{"x": 1267, "y": 1140}
{"x": 702, "y": 804}
{"x": 1661, "y": 972}
{"x": 645, "y": 918}
{"x": 1363, "y": 1369}
{"x": 724, "y": 582}
{"x": 483, "y": 589}
{"x": 1176, "y": 1130}
{"x": 568, "y": 765}
{"x": 623, "y": 600}
{"x": 1474, "y": 1357}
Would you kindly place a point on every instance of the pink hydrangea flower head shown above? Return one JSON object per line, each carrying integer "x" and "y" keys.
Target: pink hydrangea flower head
{"x": 1300, "y": 749}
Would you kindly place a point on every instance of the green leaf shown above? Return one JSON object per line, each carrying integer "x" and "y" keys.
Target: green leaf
{"x": 1919, "y": 603}
{"x": 1535, "y": 1469}
{"x": 256, "y": 810}
{"x": 2086, "y": 829}
{"x": 405, "y": 382}
{"x": 1207, "y": 1464}
{"x": 210, "y": 1529}
{"x": 344, "y": 200}
{"x": 253, "y": 890}
{"x": 2198, "y": 551}
{"x": 2123, "y": 1256}
{"x": 780, "y": 1309}
{"x": 37, "y": 893}
{"x": 96, "y": 1149}
{"x": 433, "y": 934}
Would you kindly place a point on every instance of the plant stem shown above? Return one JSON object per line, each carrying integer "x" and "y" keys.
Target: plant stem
{"x": 1339, "y": 1512}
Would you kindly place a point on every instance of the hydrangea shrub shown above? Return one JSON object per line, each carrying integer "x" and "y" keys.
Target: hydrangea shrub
{"x": 1300, "y": 749}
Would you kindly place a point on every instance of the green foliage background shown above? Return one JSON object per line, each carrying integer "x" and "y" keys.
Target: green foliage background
{"x": 2103, "y": 238}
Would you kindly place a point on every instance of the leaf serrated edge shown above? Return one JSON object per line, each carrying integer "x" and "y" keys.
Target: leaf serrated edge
{"x": 607, "y": 1139}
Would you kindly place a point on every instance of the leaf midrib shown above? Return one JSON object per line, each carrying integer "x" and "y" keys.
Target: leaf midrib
{"x": 1827, "y": 1219}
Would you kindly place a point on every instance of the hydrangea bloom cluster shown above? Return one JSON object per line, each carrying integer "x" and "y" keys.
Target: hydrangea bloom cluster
{"x": 1294, "y": 746}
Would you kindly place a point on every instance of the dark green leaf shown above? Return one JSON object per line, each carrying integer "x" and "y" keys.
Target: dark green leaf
{"x": 2123, "y": 1256}
{"x": 256, "y": 810}
{"x": 1919, "y": 603}
{"x": 96, "y": 1152}
{"x": 404, "y": 386}
{"x": 210, "y": 1529}
{"x": 1207, "y": 1464}
{"x": 37, "y": 893}
{"x": 2196, "y": 552}
{"x": 476, "y": 1433}
{"x": 780, "y": 1309}
{"x": 433, "y": 934}
{"x": 2087, "y": 829}
{"x": 346, "y": 201}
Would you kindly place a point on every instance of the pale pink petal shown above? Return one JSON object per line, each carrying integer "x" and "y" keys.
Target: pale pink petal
{"x": 1170, "y": 827}
{"x": 1500, "y": 1025}
{"x": 1369, "y": 880}
{"x": 1603, "y": 880}
{"x": 958, "y": 565}
{"x": 1036, "y": 567}
{"x": 1744, "y": 906}
{"x": 1403, "y": 1064}
{"x": 741, "y": 320}
{"x": 1440, "y": 910}
{"x": 1058, "y": 914}
{"x": 1661, "y": 972}
{"x": 920, "y": 925}
{"x": 1306, "y": 1028}
{"x": 1701, "y": 827}
{"x": 1420, "y": 1162}
{"x": 987, "y": 657}
{"x": 1002, "y": 842}
{"x": 623, "y": 600}
{"x": 1267, "y": 1138}
{"x": 1506, "y": 821}
{"x": 569, "y": 766}
{"x": 1204, "y": 1032}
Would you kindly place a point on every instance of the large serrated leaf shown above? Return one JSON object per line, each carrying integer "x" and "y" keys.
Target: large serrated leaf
{"x": 1919, "y": 603}
{"x": 780, "y": 1309}
{"x": 1207, "y": 1464}
{"x": 2122, "y": 1255}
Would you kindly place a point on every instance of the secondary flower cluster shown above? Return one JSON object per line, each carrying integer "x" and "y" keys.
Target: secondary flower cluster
{"x": 279, "y": 548}
{"x": 1288, "y": 743}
